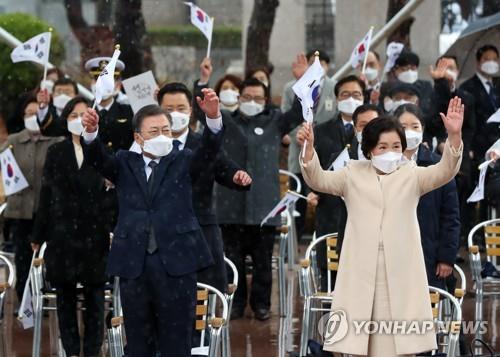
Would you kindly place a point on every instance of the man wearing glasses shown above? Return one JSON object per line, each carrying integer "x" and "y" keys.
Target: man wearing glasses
{"x": 252, "y": 139}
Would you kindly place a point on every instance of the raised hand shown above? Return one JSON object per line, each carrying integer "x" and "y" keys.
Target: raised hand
{"x": 299, "y": 66}
{"x": 241, "y": 178}
{"x": 90, "y": 120}
{"x": 206, "y": 70}
{"x": 440, "y": 71}
{"x": 210, "y": 103}
{"x": 454, "y": 118}
{"x": 304, "y": 134}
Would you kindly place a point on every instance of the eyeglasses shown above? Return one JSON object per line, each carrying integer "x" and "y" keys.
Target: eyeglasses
{"x": 356, "y": 95}
{"x": 249, "y": 98}
{"x": 153, "y": 133}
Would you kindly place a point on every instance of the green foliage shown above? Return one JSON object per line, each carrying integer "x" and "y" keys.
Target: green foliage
{"x": 16, "y": 78}
{"x": 188, "y": 35}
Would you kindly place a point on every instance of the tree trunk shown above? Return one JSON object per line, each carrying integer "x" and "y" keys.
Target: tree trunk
{"x": 259, "y": 33}
{"x": 130, "y": 33}
{"x": 104, "y": 12}
{"x": 94, "y": 40}
{"x": 402, "y": 33}
{"x": 465, "y": 8}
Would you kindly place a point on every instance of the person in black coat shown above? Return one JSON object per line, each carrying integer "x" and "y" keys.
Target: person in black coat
{"x": 323, "y": 203}
{"x": 445, "y": 88}
{"x": 438, "y": 211}
{"x": 176, "y": 99}
{"x": 486, "y": 94}
{"x": 252, "y": 140}
{"x": 70, "y": 219}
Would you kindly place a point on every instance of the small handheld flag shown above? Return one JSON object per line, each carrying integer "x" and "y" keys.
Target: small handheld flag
{"x": 282, "y": 205}
{"x": 105, "y": 84}
{"x": 341, "y": 161}
{"x": 12, "y": 177}
{"x": 25, "y": 314}
{"x": 360, "y": 52}
{"x": 36, "y": 49}
{"x": 203, "y": 22}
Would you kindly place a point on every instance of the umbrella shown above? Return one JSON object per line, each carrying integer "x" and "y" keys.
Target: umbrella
{"x": 481, "y": 32}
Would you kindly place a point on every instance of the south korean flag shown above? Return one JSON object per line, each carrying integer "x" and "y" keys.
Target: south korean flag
{"x": 36, "y": 49}
{"x": 12, "y": 177}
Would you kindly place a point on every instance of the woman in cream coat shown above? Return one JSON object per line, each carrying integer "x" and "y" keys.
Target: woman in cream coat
{"x": 381, "y": 274}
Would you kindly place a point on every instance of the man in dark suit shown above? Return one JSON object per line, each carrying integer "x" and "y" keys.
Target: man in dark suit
{"x": 445, "y": 88}
{"x": 325, "y": 204}
{"x": 486, "y": 95}
{"x": 158, "y": 245}
{"x": 176, "y": 99}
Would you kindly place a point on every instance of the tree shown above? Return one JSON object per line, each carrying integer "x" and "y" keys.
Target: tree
{"x": 130, "y": 33}
{"x": 94, "y": 40}
{"x": 491, "y": 7}
{"x": 402, "y": 33}
{"x": 259, "y": 33}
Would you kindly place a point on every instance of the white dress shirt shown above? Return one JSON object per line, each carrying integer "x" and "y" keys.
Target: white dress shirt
{"x": 148, "y": 169}
{"x": 183, "y": 139}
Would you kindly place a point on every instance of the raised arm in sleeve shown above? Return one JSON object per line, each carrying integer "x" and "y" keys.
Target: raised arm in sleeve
{"x": 319, "y": 180}
{"x": 434, "y": 176}
{"x": 205, "y": 154}
{"x": 104, "y": 162}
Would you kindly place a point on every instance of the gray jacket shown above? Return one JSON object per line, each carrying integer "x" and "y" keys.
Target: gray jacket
{"x": 30, "y": 156}
{"x": 326, "y": 110}
{"x": 254, "y": 144}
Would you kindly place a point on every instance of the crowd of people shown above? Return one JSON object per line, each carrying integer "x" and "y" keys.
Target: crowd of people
{"x": 158, "y": 197}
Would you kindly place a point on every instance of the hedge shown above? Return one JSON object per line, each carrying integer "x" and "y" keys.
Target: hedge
{"x": 182, "y": 35}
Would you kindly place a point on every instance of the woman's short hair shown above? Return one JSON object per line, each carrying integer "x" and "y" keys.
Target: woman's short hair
{"x": 70, "y": 106}
{"x": 373, "y": 130}
{"x": 412, "y": 109}
{"x": 235, "y": 80}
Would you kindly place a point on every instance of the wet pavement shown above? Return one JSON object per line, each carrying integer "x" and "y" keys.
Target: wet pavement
{"x": 249, "y": 337}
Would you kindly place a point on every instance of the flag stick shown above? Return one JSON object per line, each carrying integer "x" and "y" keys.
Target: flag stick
{"x": 367, "y": 51}
{"x": 297, "y": 194}
{"x": 316, "y": 55}
{"x": 46, "y": 61}
{"x": 210, "y": 41}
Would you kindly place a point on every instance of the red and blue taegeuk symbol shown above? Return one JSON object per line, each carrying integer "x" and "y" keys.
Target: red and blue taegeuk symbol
{"x": 200, "y": 15}
{"x": 10, "y": 170}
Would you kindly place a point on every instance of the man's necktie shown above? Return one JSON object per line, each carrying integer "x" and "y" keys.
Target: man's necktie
{"x": 349, "y": 130}
{"x": 177, "y": 145}
{"x": 491, "y": 94}
{"x": 152, "y": 246}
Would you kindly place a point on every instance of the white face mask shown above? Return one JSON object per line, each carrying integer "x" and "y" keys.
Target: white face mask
{"x": 349, "y": 105}
{"x": 413, "y": 139}
{"x": 371, "y": 73}
{"x": 398, "y": 103}
{"x": 47, "y": 84}
{"x": 387, "y": 162}
{"x": 359, "y": 136}
{"x": 31, "y": 123}
{"x": 251, "y": 108}
{"x": 75, "y": 126}
{"x": 452, "y": 74}
{"x": 490, "y": 67}
{"x": 409, "y": 76}
{"x": 229, "y": 97}
{"x": 180, "y": 121}
{"x": 159, "y": 146}
{"x": 61, "y": 100}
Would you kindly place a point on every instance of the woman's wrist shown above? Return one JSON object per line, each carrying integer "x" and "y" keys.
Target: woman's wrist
{"x": 455, "y": 140}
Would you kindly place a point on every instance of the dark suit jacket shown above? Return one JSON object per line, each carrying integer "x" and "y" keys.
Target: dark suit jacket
{"x": 181, "y": 246}
{"x": 115, "y": 126}
{"x": 222, "y": 171}
{"x": 440, "y": 100}
{"x": 329, "y": 140}
{"x": 439, "y": 220}
{"x": 70, "y": 218}
{"x": 483, "y": 110}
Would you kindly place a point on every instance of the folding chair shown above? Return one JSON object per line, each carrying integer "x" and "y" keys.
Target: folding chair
{"x": 44, "y": 299}
{"x": 115, "y": 330}
{"x": 448, "y": 326}
{"x": 484, "y": 286}
{"x": 209, "y": 302}
{"x": 316, "y": 300}
{"x": 231, "y": 289}
{"x": 460, "y": 292}
{"x": 8, "y": 282}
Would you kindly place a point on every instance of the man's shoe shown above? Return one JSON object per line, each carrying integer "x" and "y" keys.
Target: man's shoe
{"x": 236, "y": 313}
{"x": 262, "y": 314}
